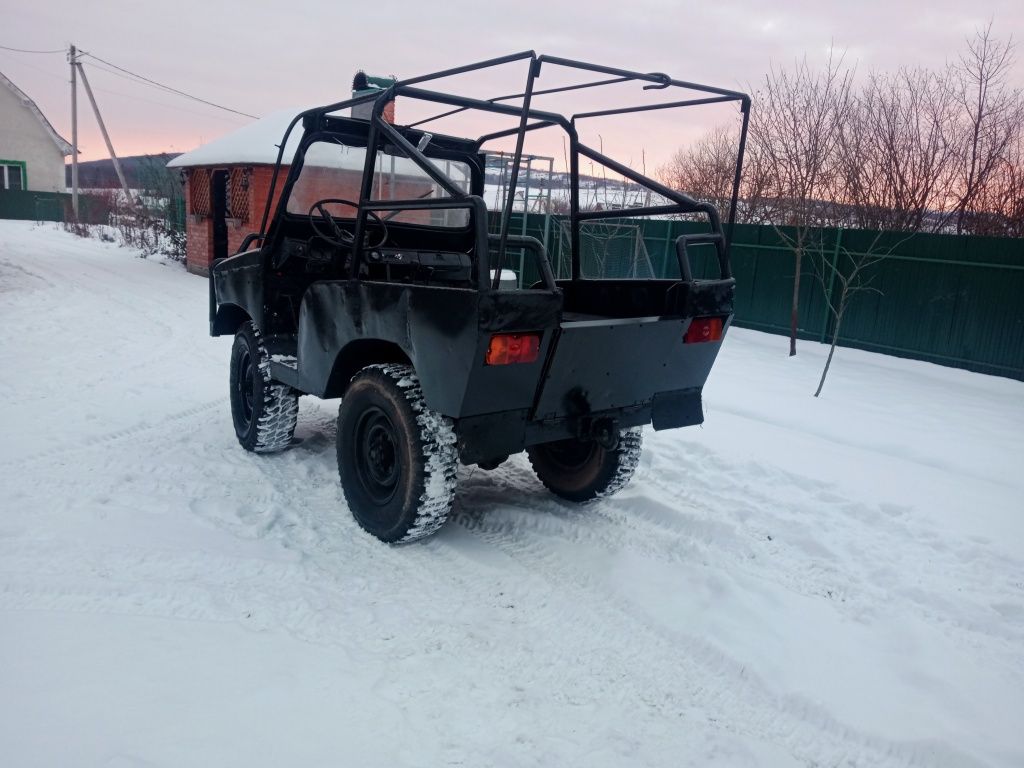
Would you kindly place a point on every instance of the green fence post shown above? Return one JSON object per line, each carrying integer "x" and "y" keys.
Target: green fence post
{"x": 831, "y": 285}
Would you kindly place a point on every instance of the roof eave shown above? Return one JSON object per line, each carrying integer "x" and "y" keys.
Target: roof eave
{"x": 60, "y": 141}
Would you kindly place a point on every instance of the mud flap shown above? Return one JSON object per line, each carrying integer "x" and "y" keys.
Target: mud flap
{"x": 680, "y": 408}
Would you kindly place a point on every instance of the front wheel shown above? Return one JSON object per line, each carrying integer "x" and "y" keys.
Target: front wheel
{"x": 583, "y": 470}
{"x": 397, "y": 459}
{"x": 264, "y": 412}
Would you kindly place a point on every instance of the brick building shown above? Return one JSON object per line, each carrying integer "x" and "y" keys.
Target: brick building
{"x": 227, "y": 182}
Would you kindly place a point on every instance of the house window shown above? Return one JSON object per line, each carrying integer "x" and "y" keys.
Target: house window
{"x": 12, "y": 175}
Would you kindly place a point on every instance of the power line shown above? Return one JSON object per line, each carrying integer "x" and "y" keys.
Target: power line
{"x": 100, "y": 68}
{"x": 22, "y": 63}
{"x": 167, "y": 87}
{"x": 134, "y": 77}
{"x": 151, "y": 101}
{"x": 129, "y": 78}
{"x": 115, "y": 73}
{"x": 25, "y": 50}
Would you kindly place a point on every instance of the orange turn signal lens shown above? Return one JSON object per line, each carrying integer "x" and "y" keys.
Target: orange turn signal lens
{"x": 507, "y": 348}
{"x": 703, "y": 329}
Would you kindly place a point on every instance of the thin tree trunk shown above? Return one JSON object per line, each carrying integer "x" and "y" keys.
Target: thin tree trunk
{"x": 831, "y": 351}
{"x": 794, "y": 315}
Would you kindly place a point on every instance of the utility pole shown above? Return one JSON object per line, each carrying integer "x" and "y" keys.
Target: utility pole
{"x": 106, "y": 136}
{"x": 73, "y": 58}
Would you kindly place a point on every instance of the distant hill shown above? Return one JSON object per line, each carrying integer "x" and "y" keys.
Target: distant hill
{"x": 100, "y": 174}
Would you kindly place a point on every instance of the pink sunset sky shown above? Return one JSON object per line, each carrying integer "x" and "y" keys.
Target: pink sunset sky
{"x": 261, "y": 57}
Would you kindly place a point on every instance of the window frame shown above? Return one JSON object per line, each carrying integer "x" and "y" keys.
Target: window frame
{"x": 22, "y": 167}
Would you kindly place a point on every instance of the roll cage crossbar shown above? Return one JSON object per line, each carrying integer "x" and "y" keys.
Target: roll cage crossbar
{"x": 379, "y": 128}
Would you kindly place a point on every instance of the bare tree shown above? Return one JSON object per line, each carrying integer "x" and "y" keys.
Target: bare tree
{"x": 706, "y": 169}
{"x": 915, "y": 150}
{"x": 795, "y": 131}
{"x": 991, "y": 114}
{"x": 911, "y": 151}
{"x": 853, "y": 274}
{"x": 758, "y": 202}
{"x": 1002, "y": 198}
{"x": 895, "y": 152}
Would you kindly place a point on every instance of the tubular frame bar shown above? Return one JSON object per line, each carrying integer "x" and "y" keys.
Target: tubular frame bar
{"x": 483, "y": 106}
{"x": 511, "y": 132}
{"x": 529, "y": 243}
{"x": 419, "y": 158}
{"x": 474, "y": 203}
{"x": 485, "y": 64}
{"x": 284, "y": 143}
{"x": 652, "y": 107}
{"x": 655, "y": 80}
{"x": 659, "y": 79}
{"x": 544, "y": 92}
{"x": 624, "y": 170}
{"x": 619, "y": 213}
{"x": 575, "y": 257}
{"x": 366, "y": 187}
{"x": 506, "y": 216}
{"x": 745, "y": 106}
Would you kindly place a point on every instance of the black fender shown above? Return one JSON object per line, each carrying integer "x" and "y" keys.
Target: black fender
{"x": 355, "y": 356}
{"x": 236, "y": 292}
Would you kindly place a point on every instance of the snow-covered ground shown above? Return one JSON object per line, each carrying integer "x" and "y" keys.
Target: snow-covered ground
{"x": 801, "y": 582}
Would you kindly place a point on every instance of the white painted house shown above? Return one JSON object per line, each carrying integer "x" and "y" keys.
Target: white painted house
{"x": 31, "y": 152}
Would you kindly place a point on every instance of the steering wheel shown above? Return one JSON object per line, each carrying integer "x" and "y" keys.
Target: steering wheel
{"x": 342, "y": 237}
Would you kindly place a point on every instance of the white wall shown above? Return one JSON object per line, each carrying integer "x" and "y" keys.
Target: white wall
{"x": 24, "y": 138}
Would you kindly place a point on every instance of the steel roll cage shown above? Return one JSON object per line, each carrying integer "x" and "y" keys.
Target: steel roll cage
{"x": 680, "y": 202}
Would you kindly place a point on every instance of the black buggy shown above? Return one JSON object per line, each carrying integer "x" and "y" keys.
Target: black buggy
{"x": 379, "y": 282}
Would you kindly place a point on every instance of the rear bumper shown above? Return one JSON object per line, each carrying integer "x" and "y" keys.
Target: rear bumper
{"x": 481, "y": 438}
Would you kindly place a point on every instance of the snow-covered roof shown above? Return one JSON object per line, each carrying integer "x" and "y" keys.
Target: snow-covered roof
{"x": 253, "y": 144}
{"x": 62, "y": 145}
{"x": 256, "y": 144}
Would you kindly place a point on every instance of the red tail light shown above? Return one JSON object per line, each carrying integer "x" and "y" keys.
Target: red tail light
{"x": 506, "y": 348}
{"x": 704, "y": 329}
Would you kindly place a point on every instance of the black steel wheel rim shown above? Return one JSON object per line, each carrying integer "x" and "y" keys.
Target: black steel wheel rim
{"x": 377, "y": 460}
{"x": 244, "y": 387}
{"x": 572, "y": 454}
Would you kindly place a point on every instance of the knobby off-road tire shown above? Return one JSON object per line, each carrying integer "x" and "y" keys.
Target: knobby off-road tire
{"x": 397, "y": 459}
{"x": 581, "y": 470}
{"x": 264, "y": 412}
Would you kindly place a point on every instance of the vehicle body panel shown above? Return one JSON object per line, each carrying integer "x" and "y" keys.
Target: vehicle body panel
{"x": 600, "y": 365}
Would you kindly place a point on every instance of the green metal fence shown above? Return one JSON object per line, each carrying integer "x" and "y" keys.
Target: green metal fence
{"x": 948, "y": 299}
{"x": 33, "y": 206}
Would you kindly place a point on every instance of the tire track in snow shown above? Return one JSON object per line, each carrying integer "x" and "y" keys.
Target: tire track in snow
{"x": 739, "y": 700}
{"x": 301, "y": 509}
{"x": 857, "y": 581}
{"x": 296, "y": 505}
{"x": 180, "y": 419}
{"x": 682, "y": 533}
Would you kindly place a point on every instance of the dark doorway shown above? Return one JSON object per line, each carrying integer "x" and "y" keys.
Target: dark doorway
{"x": 220, "y": 212}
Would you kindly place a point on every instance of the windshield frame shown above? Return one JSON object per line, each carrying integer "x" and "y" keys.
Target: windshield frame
{"x": 464, "y": 175}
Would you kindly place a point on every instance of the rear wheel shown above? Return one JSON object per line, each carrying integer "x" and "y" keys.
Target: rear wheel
{"x": 264, "y": 412}
{"x": 583, "y": 470}
{"x": 397, "y": 459}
